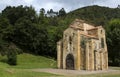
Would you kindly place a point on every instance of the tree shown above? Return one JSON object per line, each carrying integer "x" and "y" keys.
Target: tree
{"x": 62, "y": 12}
{"x": 113, "y": 41}
{"x": 30, "y": 37}
{"x": 6, "y": 31}
{"x": 118, "y": 6}
{"x": 55, "y": 33}
{"x": 14, "y": 13}
{"x": 42, "y": 12}
{"x": 41, "y": 16}
{"x": 52, "y": 13}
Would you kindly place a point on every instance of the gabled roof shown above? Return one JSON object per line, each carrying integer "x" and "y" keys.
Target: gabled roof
{"x": 81, "y": 24}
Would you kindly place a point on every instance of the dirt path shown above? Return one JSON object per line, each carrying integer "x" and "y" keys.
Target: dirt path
{"x": 74, "y": 72}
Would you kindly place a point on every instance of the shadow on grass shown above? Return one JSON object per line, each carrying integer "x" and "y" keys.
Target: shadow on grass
{"x": 3, "y": 59}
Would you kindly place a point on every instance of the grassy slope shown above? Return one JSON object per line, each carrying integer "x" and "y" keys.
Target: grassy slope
{"x": 26, "y": 62}
{"x": 30, "y": 61}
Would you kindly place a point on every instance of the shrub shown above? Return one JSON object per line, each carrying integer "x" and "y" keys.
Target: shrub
{"x": 12, "y": 57}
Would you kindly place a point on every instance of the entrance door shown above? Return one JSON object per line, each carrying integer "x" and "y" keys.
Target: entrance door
{"x": 70, "y": 62}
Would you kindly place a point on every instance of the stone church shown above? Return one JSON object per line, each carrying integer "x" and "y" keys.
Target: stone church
{"x": 83, "y": 47}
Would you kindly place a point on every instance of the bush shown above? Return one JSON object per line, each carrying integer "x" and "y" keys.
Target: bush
{"x": 12, "y": 57}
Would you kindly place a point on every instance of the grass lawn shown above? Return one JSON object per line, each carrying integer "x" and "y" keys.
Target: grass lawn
{"x": 23, "y": 73}
{"x": 115, "y": 68}
{"x": 26, "y": 62}
{"x": 100, "y": 75}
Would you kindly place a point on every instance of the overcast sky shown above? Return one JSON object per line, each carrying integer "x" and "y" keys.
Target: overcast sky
{"x": 58, "y": 4}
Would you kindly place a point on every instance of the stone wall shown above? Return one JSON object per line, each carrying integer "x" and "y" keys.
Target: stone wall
{"x": 59, "y": 54}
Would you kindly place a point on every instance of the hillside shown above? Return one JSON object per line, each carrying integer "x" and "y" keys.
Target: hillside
{"x": 97, "y": 15}
{"x": 26, "y": 62}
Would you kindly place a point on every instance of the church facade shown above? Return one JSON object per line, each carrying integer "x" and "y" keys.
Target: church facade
{"x": 83, "y": 47}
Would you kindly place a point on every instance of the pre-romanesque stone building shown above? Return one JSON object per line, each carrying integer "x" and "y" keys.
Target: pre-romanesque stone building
{"x": 83, "y": 47}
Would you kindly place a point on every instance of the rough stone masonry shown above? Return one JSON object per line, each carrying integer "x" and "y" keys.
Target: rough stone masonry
{"x": 83, "y": 47}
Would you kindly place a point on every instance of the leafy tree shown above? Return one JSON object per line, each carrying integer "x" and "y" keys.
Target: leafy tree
{"x": 5, "y": 32}
{"x": 113, "y": 41}
{"x": 62, "y": 12}
{"x": 118, "y": 6}
{"x": 42, "y": 13}
{"x": 30, "y": 36}
{"x": 3, "y": 47}
{"x": 52, "y": 13}
{"x": 41, "y": 19}
{"x": 14, "y": 13}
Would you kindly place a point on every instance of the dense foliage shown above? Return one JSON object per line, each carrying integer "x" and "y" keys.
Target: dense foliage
{"x": 33, "y": 33}
{"x": 95, "y": 14}
{"x": 113, "y": 41}
{"x": 12, "y": 57}
{"x": 37, "y": 33}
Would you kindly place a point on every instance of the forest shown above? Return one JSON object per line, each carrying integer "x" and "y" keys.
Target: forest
{"x": 23, "y": 30}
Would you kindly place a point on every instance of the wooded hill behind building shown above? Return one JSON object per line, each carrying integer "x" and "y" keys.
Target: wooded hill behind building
{"x": 23, "y": 30}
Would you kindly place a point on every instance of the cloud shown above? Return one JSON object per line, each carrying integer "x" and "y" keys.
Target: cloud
{"x": 109, "y": 3}
{"x": 58, "y": 4}
{"x": 48, "y": 5}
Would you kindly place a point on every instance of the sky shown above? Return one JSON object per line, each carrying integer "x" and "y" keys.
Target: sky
{"x": 56, "y": 5}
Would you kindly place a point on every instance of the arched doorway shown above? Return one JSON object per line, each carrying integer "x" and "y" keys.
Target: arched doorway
{"x": 70, "y": 62}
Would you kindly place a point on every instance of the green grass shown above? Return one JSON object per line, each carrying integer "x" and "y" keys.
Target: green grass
{"x": 115, "y": 68}
{"x": 24, "y": 63}
{"x": 100, "y": 75}
{"x": 27, "y": 62}
{"x": 23, "y": 73}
